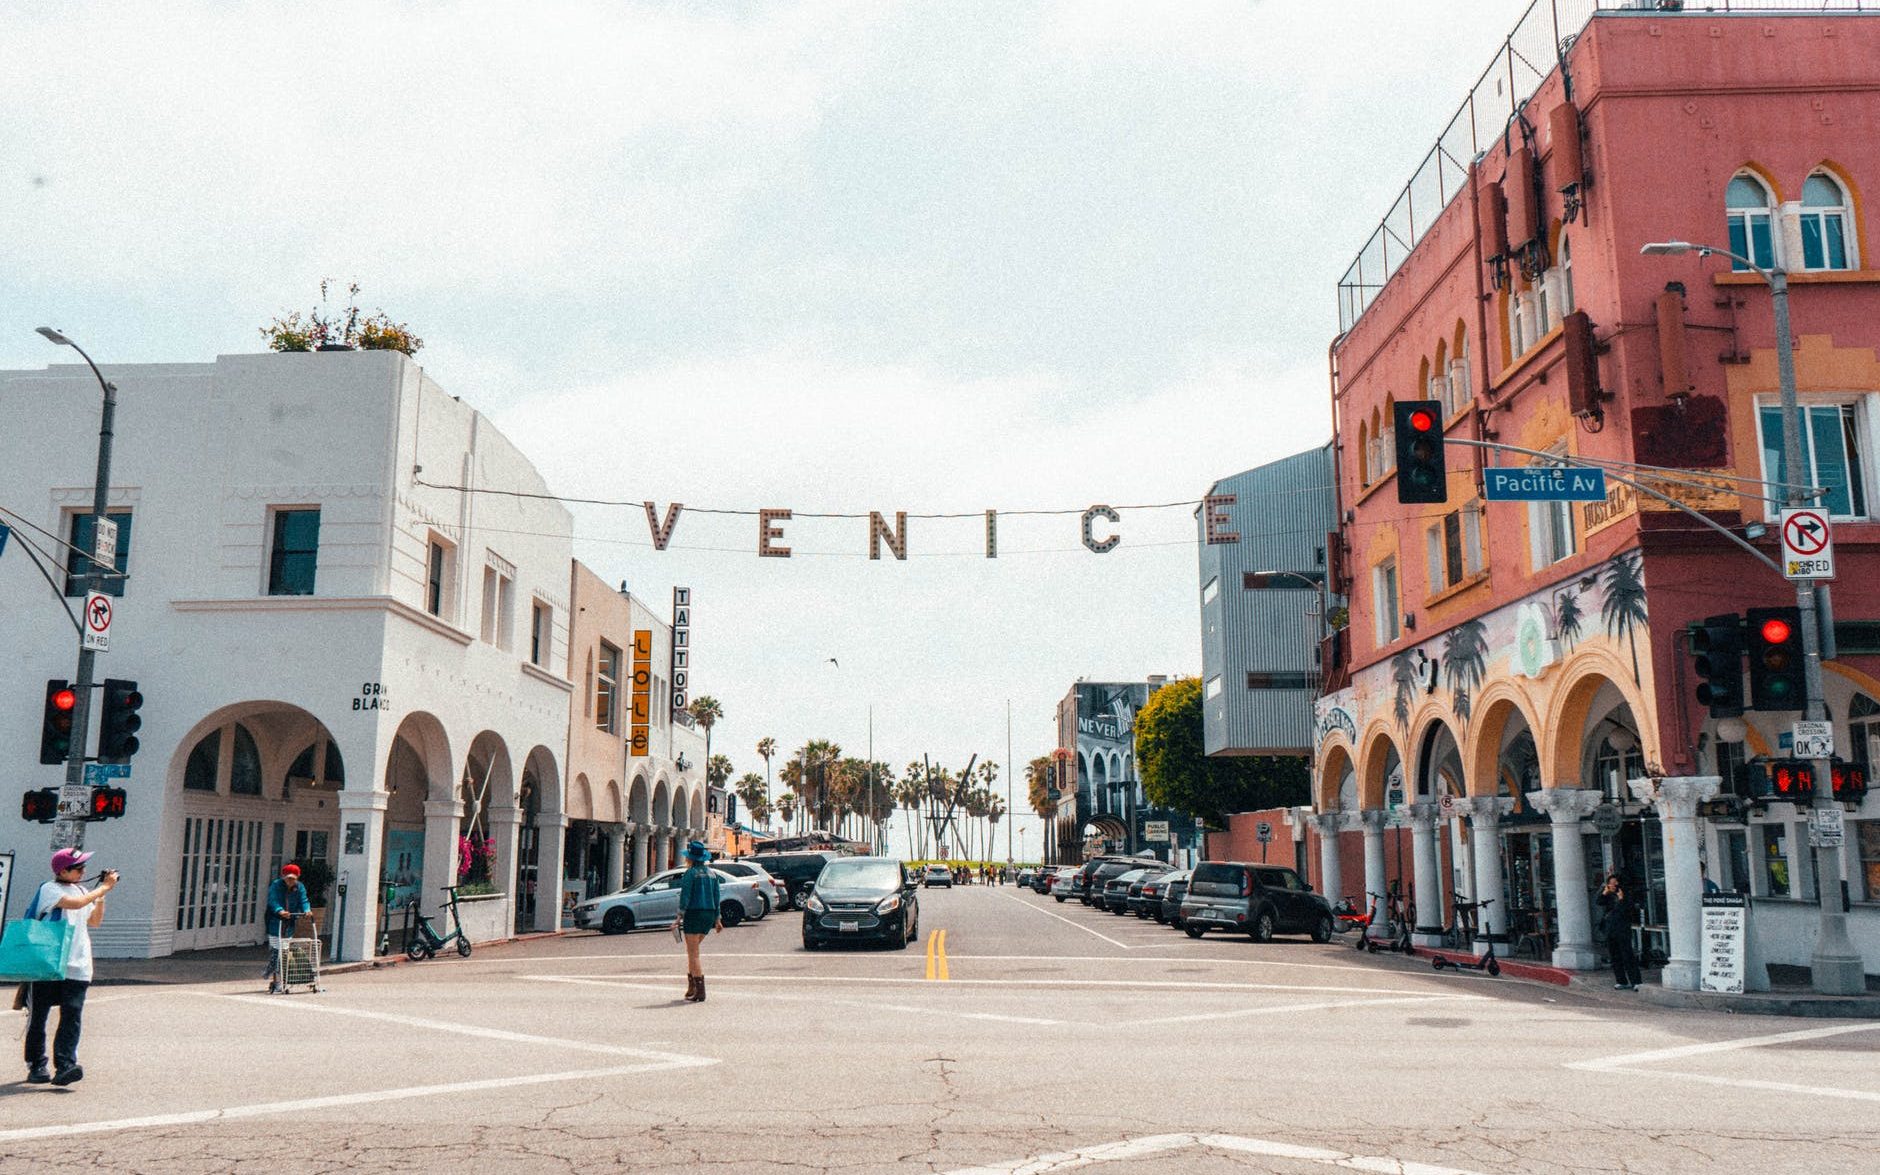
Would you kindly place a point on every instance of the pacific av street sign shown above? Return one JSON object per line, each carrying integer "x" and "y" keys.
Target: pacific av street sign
{"x": 1543, "y": 483}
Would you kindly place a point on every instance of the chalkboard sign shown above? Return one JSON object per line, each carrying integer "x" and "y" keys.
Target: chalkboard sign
{"x": 1726, "y": 933}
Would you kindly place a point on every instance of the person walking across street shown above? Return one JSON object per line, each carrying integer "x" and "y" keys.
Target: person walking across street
{"x": 65, "y": 896}
{"x": 1618, "y": 912}
{"x": 698, "y": 915}
{"x": 287, "y": 899}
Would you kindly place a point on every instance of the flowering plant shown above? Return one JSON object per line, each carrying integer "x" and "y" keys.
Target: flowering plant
{"x": 475, "y": 856}
{"x": 370, "y": 332}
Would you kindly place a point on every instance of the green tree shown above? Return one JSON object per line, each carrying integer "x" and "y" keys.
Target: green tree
{"x": 718, "y": 770}
{"x": 766, "y": 748}
{"x": 706, "y": 711}
{"x": 1176, "y": 774}
{"x": 752, "y": 790}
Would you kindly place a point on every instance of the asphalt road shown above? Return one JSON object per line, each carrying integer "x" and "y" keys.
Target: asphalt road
{"x": 1017, "y": 1035}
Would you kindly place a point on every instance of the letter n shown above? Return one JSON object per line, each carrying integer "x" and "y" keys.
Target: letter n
{"x": 878, "y": 530}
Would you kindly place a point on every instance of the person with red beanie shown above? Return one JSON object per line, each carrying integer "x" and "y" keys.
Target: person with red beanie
{"x": 287, "y": 898}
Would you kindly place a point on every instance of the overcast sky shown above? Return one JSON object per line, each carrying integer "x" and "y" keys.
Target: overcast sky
{"x": 825, "y": 256}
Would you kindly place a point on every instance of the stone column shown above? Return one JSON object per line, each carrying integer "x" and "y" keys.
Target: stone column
{"x": 1331, "y": 871}
{"x": 1429, "y": 886}
{"x": 1566, "y": 807}
{"x": 505, "y": 828}
{"x": 1375, "y": 820}
{"x": 616, "y": 857}
{"x": 662, "y": 848}
{"x": 442, "y": 820}
{"x": 1491, "y": 922}
{"x": 1676, "y": 797}
{"x": 642, "y": 835}
{"x": 552, "y": 828}
{"x": 361, "y": 858}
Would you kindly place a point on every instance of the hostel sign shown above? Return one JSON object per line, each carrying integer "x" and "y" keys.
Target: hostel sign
{"x": 1543, "y": 483}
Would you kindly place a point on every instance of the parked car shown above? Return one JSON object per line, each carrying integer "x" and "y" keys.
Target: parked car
{"x": 934, "y": 875}
{"x": 654, "y": 903}
{"x": 1043, "y": 880}
{"x": 860, "y": 899}
{"x": 1256, "y": 900}
{"x": 1119, "y": 890}
{"x": 1146, "y": 899}
{"x": 1100, "y": 871}
{"x": 775, "y": 894}
{"x": 1070, "y": 884}
{"x": 797, "y": 871}
{"x": 1026, "y": 877}
{"x": 1174, "y": 889}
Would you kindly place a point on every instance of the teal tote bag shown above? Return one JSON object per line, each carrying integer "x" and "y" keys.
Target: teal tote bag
{"x": 34, "y": 951}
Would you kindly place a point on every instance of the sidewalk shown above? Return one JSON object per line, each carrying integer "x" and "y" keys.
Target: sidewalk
{"x": 234, "y": 963}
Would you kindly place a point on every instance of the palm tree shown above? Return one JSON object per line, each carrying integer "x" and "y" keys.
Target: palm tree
{"x": 718, "y": 770}
{"x": 750, "y": 788}
{"x": 706, "y": 711}
{"x": 1623, "y": 609}
{"x": 766, "y": 747}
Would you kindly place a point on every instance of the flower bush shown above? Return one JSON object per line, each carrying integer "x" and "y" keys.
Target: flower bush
{"x": 365, "y": 332}
{"x": 476, "y": 859}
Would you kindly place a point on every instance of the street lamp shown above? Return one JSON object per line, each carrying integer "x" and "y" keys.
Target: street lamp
{"x": 70, "y": 831}
{"x": 1836, "y": 965}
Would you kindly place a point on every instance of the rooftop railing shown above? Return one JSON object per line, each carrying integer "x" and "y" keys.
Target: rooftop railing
{"x": 1532, "y": 51}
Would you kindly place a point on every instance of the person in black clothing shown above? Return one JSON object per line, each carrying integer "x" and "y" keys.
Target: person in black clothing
{"x": 1618, "y": 913}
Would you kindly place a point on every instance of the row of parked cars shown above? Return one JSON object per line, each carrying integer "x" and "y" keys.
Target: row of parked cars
{"x": 749, "y": 887}
{"x": 1259, "y": 901}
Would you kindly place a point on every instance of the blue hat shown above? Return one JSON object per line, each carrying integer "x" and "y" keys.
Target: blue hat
{"x": 695, "y": 850}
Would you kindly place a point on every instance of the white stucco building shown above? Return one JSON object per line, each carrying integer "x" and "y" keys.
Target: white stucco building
{"x": 341, "y": 663}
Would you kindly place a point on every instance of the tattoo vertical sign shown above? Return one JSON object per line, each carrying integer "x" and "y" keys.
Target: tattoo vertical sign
{"x": 641, "y": 742}
{"x": 681, "y": 648}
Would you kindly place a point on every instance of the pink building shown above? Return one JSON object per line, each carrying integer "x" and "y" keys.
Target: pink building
{"x": 1509, "y": 668}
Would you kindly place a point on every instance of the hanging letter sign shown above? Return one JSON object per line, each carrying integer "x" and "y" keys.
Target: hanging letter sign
{"x": 1090, "y": 538}
{"x": 681, "y": 647}
{"x": 641, "y": 743}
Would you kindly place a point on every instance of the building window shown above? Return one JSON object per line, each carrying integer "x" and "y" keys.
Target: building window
{"x": 1214, "y": 686}
{"x": 78, "y": 566}
{"x": 244, "y": 777}
{"x": 438, "y": 566}
{"x": 607, "y": 691}
{"x": 499, "y": 602}
{"x": 1867, "y": 844}
{"x": 1825, "y": 219}
{"x": 541, "y": 633}
{"x": 1387, "y": 438}
{"x": 1281, "y": 680}
{"x": 1863, "y": 733}
{"x": 1550, "y": 525}
{"x": 1455, "y": 547}
{"x": 1833, "y": 450}
{"x": 1557, "y": 288}
{"x": 1775, "y": 859}
{"x": 1751, "y": 211}
{"x": 1461, "y": 386}
{"x": 204, "y": 761}
{"x": 1211, "y": 589}
{"x": 1384, "y": 599}
{"x": 295, "y": 551}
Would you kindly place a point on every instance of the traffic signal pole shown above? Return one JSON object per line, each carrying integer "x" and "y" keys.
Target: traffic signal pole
{"x": 69, "y": 831}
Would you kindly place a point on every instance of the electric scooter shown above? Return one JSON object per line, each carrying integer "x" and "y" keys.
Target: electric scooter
{"x": 426, "y": 942}
{"x": 1346, "y": 915}
{"x": 1485, "y": 963}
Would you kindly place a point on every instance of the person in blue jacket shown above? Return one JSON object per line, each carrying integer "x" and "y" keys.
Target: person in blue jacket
{"x": 287, "y": 898}
{"x": 698, "y": 915}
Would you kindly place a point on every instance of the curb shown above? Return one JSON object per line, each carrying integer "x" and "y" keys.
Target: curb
{"x": 1538, "y": 972}
{"x": 182, "y": 964}
{"x": 1808, "y": 1007}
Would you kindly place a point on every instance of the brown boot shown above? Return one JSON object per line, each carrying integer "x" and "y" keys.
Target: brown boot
{"x": 692, "y": 994}
{"x": 701, "y": 989}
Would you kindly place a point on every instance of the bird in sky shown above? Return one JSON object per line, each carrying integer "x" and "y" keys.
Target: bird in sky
{"x": 835, "y": 662}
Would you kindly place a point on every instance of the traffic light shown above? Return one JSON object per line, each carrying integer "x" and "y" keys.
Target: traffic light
{"x": 119, "y": 723}
{"x": 40, "y": 806}
{"x": 106, "y": 803}
{"x": 1421, "y": 475}
{"x": 1718, "y": 646}
{"x": 55, "y": 736}
{"x": 1775, "y": 659}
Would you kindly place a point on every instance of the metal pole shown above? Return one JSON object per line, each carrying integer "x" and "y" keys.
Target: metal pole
{"x": 1836, "y": 966}
{"x": 1011, "y": 817}
{"x": 68, "y": 831}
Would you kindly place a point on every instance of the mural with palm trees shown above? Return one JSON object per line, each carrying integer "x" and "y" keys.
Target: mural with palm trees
{"x": 1567, "y": 618}
{"x": 1623, "y": 609}
{"x": 1465, "y": 663}
{"x": 1403, "y": 676}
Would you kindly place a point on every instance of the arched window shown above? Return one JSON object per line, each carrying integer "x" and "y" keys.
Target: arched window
{"x": 1461, "y": 380}
{"x": 1387, "y": 436}
{"x": 1436, "y": 382}
{"x": 1863, "y": 735}
{"x": 244, "y": 778}
{"x": 1561, "y": 276}
{"x": 199, "y": 772}
{"x": 1827, "y": 215}
{"x": 1751, "y": 208}
{"x": 1364, "y": 453}
{"x": 308, "y": 771}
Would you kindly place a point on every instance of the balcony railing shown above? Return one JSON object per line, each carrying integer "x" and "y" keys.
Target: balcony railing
{"x": 1539, "y": 40}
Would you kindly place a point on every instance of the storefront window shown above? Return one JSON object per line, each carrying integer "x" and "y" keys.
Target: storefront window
{"x": 1775, "y": 856}
{"x": 1867, "y": 844}
{"x": 1733, "y": 846}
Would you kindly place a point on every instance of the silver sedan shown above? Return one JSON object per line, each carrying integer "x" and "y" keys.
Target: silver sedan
{"x": 654, "y": 903}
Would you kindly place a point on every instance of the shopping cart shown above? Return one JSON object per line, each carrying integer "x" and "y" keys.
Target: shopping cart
{"x": 297, "y": 959}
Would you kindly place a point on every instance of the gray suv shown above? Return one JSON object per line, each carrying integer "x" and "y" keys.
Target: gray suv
{"x": 1256, "y": 900}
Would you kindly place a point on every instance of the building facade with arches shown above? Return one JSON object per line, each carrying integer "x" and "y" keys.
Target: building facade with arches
{"x": 350, "y": 660}
{"x": 1515, "y": 676}
{"x": 1109, "y": 811}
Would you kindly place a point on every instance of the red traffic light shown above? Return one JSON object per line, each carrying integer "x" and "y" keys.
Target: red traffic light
{"x": 1422, "y": 421}
{"x": 64, "y": 699}
{"x": 1776, "y": 631}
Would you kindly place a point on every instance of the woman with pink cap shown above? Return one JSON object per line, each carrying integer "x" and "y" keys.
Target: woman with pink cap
{"x": 65, "y": 896}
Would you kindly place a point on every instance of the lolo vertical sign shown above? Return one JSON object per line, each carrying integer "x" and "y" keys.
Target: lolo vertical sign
{"x": 681, "y": 648}
{"x": 640, "y": 743}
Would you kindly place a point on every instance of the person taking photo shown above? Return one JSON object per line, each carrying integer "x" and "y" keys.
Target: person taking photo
{"x": 65, "y": 896}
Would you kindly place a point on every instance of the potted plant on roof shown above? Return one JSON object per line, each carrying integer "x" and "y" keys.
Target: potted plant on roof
{"x": 324, "y": 330}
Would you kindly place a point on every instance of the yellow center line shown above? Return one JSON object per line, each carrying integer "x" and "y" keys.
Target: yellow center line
{"x": 933, "y": 939}
{"x": 940, "y": 953}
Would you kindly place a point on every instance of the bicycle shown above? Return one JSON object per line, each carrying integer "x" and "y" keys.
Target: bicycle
{"x": 426, "y": 942}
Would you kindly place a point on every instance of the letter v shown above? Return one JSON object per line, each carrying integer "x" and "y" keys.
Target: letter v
{"x": 662, "y": 534}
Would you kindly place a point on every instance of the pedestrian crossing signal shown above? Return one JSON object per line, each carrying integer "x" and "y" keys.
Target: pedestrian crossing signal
{"x": 107, "y": 803}
{"x": 40, "y": 806}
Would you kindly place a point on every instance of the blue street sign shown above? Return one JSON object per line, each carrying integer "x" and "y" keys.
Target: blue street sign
{"x": 101, "y": 774}
{"x": 1543, "y": 483}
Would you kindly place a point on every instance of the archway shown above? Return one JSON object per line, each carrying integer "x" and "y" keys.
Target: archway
{"x": 537, "y": 878}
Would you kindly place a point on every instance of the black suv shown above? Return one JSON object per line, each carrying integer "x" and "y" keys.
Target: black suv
{"x": 1256, "y": 900}
{"x": 797, "y": 871}
{"x": 862, "y": 899}
{"x": 1100, "y": 871}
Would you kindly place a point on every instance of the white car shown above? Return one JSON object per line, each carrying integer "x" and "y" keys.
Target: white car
{"x": 655, "y": 903}
{"x": 934, "y": 875}
{"x": 775, "y": 894}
